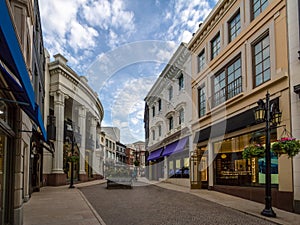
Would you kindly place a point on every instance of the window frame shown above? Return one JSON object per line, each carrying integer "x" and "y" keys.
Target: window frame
{"x": 181, "y": 82}
{"x": 153, "y": 111}
{"x": 201, "y": 102}
{"x": 171, "y": 123}
{"x": 226, "y": 86}
{"x": 217, "y": 38}
{"x": 159, "y": 130}
{"x": 201, "y": 61}
{"x": 170, "y": 92}
{"x": 181, "y": 116}
{"x": 260, "y": 40}
{"x": 159, "y": 105}
{"x": 260, "y": 8}
{"x": 229, "y": 23}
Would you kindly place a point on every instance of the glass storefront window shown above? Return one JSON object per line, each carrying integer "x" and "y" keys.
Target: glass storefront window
{"x": 232, "y": 169}
{"x": 3, "y": 111}
{"x": 171, "y": 169}
{"x": 2, "y": 150}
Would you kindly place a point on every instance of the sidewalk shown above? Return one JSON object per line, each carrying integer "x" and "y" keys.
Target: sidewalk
{"x": 64, "y": 206}
{"x": 61, "y": 206}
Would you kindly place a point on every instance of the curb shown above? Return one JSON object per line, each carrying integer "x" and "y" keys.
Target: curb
{"x": 98, "y": 217}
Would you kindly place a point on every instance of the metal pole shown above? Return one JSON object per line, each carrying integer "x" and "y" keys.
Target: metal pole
{"x": 268, "y": 211}
{"x": 72, "y": 162}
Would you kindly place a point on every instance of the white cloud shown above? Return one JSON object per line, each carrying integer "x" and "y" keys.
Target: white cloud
{"x": 82, "y": 36}
{"x": 186, "y": 16}
{"x": 106, "y": 14}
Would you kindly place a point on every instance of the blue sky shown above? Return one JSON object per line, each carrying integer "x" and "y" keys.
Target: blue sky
{"x": 121, "y": 46}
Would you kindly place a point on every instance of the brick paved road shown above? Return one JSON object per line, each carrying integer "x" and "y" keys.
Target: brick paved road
{"x": 152, "y": 205}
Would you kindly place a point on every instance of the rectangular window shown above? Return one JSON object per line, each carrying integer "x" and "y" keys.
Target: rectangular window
{"x": 181, "y": 82}
{"x": 170, "y": 93}
{"x": 201, "y": 101}
{"x": 170, "y": 123}
{"x": 153, "y": 134}
{"x": 159, "y": 105}
{"x": 215, "y": 46}
{"x": 257, "y": 6}
{"x": 261, "y": 61}
{"x": 181, "y": 116}
{"x": 228, "y": 82}
{"x": 159, "y": 130}
{"x": 234, "y": 26}
{"x": 153, "y": 111}
{"x": 201, "y": 61}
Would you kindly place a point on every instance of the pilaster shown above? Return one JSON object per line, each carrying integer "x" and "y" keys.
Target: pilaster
{"x": 93, "y": 132}
{"x": 82, "y": 125}
{"x": 59, "y": 112}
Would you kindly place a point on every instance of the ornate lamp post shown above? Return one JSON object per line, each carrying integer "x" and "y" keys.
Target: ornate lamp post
{"x": 72, "y": 140}
{"x": 272, "y": 116}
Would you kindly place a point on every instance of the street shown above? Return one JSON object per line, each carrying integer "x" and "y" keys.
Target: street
{"x": 149, "y": 204}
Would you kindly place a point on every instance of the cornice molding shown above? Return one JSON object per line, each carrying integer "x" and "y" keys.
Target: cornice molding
{"x": 209, "y": 24}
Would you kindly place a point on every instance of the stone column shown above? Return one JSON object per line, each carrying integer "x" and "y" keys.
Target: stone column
{"x": 57, "y": 176}
{"x": 93, "y": 132}
{"x": 82, "y": 125}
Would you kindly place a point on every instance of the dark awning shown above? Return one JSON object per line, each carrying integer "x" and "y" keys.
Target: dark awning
{"x": 12, "y": 57}
{"x": 175, "y": 147}
{"x": 10, "y": 52}
{"x": 155, "y": 154}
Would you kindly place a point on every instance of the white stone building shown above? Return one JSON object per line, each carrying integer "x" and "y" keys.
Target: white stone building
{"x": 167, "y": 120}
{"x": 74, "y": 109}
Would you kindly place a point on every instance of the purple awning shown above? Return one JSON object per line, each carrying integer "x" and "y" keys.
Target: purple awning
{"x": 155, "y": 154}
{"x": 175, "y": 147}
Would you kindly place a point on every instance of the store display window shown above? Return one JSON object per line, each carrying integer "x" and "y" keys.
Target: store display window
{"x": 232, "y": 169}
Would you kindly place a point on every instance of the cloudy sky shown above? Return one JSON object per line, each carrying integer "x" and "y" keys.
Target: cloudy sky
{"x": 121, "y": 46}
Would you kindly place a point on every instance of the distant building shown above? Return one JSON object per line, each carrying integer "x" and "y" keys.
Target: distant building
{"x": 120, "y": 153}
{"x": 137, "y": 156}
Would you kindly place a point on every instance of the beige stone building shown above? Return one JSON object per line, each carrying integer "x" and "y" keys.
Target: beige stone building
{"x": 239, "y": 53}
{"x": 22, "y": 133}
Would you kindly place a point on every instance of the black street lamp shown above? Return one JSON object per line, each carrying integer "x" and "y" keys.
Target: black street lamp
{"x": 72, "y": 159}
{"x": 272, "y": 116}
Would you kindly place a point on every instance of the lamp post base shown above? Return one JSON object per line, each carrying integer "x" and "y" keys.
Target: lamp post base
{"x": 268, "y": 212}
{"x": 71, "y": 186}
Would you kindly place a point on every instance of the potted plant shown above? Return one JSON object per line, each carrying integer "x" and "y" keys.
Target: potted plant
{"x": 253, "y": 151}
{"x": 286, "y": 145}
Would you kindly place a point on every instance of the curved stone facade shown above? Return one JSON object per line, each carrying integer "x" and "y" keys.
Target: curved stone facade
{"x": 75, "y": 111}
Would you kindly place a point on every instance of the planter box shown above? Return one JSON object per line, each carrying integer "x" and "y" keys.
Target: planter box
{"x": 119, "y": 182}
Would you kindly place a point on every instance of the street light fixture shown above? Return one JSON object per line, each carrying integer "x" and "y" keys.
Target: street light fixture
{"x": 272, "y": 116}
{"x": 72, "y": 140}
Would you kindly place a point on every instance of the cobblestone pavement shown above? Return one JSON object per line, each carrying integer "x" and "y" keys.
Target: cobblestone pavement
{"x": 152, "y": 205}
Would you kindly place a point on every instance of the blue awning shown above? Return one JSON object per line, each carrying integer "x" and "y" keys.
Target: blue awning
{"x": 10, "y": 52}
{"x": 21, "y": 98}
{"x": 175, "y": 147}
{"x": 11, "y": 55}
{"x": 155, "y": 154}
